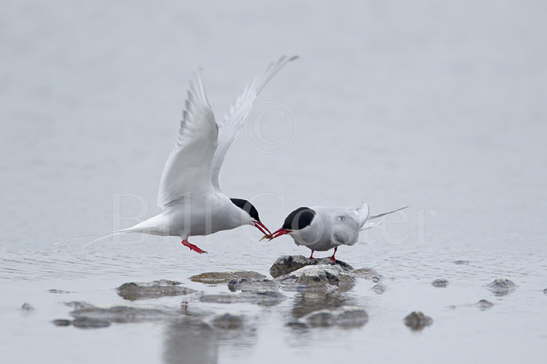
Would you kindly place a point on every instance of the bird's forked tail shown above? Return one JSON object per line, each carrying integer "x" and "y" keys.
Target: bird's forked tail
{"x": 364, "y": 213}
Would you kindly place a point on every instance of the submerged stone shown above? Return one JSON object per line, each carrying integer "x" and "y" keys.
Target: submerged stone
{"x": 228, "y": 322}
{"x": 146, "y": 290}
{"x": 352, "y": 317}
{"x": 440, "y": 283}
{"x": 501, "y": 286}
{"x": 58, "y": 291}
{"x": 545, "y": 291}
{"x": 379, "y": 288}
{"x": 224, "y": 277}
{"x": 297, "y": 325}
{"x": 484, "y": 305}
{"x": 89, "y": 323}
{"x": 122, "y": 314}
{"x": 27, "y": 307}
{"x": 368, "y": 273}
{"x": 321, "y": 319}
{"x": 62, "y": 322}
{"x": 346, "y": 317}
{"x": 461, "y": 262}
{"x": 290, "y": 263}
{"x": 77, "y": 305}
{"x": 417, "y": 321}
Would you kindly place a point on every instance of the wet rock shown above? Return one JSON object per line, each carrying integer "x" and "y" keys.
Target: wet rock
{"x": 501, "y": 286}
{"x": 440, "y": 283}
{"x": 89, "y": 323}
{"x": 27, "y": 307}
{"x": 379, "y": 288}
{"x": 225, "y": 277}
{"x": 252, "y": 285}
{"x": 145, "y": 290}
{"x": 352, "y": 317}
{"x": 58, "y": 291}
{"x": 122, "y": 314}
{"x": 484, "y": 305}
{"x": 320, "y": 277}
{"x": 266, "y": 298}
{"x": 481, "y": 305}
{"x": 368, "y": 273}
{"x": 290, "y": 263}
{"x": 461, "y": 262}
{"x": 62, "y": 322}
{"x": 228, "y": 322}
{"x": 417, "y": 321}
{"x": 347, "y": 317}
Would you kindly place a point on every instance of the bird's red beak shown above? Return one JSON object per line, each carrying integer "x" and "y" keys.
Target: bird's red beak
{"x": 263, "y": 229}
{"x": 277, "y": 234}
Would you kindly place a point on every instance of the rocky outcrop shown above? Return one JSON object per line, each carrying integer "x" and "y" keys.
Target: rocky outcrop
{"x": 289, "y": 263}
{"x": 323, "y": 277}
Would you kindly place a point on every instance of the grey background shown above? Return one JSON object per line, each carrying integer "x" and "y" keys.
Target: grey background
{"x": 438, "y": 105}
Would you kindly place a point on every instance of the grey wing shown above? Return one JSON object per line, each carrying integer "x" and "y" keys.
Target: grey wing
{"x": 345, "y": 229}
{"x": 235, "y": 119}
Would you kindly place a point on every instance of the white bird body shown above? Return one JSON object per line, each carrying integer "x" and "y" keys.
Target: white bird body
{"x": 201, "y": 214}
{"x": 331, "y": 227}
{"x": 325, "y": 228}
{"x": 189, "y": 195}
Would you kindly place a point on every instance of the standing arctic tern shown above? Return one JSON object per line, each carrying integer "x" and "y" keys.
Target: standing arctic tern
{"x": 325, "y": 228}
{"x": 189, "y": 194}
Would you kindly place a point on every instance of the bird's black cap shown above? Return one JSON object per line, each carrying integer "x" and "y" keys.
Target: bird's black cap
{"x": 299, "y": 219}
{"x": 247, "y": 207}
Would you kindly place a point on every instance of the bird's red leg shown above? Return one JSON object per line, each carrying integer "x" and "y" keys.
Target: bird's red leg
{"x": 193, "y": 247}
{"x": 333, "y": 258}
{"x": 311, "y": 255}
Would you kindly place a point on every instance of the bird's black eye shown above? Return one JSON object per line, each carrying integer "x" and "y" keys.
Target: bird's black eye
{"x": 299, "y": 219}
{"x": 247, "y": 207}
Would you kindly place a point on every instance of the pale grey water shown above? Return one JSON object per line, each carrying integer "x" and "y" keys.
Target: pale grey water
{"x": 439, "y": 106}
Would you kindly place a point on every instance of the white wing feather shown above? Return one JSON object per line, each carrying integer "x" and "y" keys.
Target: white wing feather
{"x": 363, "y": 214}
{"x": 239, "y": 112}
{"x": 188, "y": 168}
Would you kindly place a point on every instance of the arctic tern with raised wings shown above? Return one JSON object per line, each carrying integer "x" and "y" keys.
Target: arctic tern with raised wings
{"x": 189, "y": 194}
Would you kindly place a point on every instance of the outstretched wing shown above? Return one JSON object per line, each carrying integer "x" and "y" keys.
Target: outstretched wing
{"x": 188, "y": 168}
{"x": 238, "y": 113}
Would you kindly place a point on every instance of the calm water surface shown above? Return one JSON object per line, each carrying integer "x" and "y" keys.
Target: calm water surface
{"x": 437, "y": 106}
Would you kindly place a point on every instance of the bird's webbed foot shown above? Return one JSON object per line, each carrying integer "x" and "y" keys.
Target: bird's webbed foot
{"x": 193, "y": 247}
